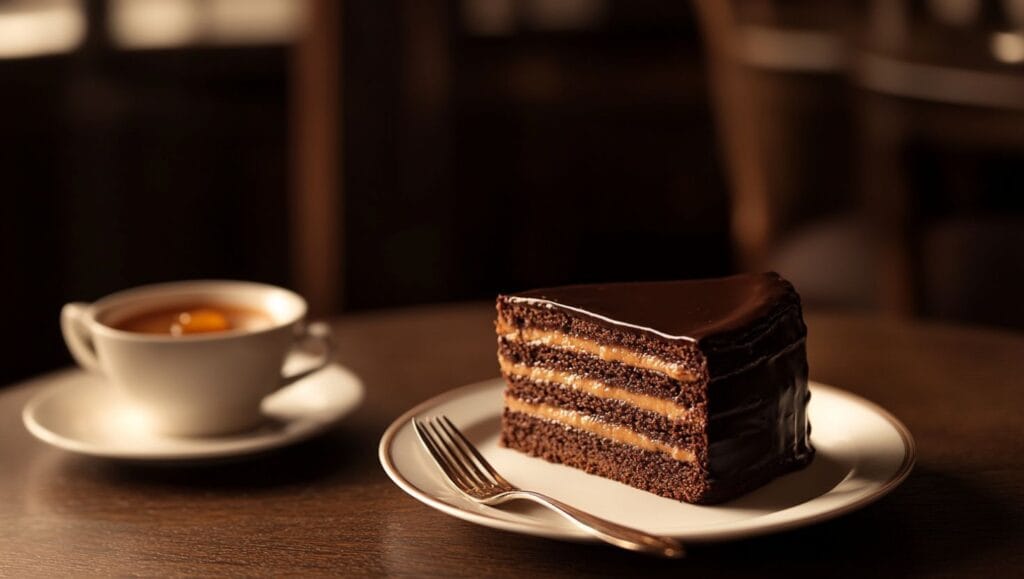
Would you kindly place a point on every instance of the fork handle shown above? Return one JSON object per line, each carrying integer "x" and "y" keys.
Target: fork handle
{"x": 614, "y": 533}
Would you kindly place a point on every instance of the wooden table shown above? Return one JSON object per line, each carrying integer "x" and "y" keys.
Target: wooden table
{"x": 326, "y": 507}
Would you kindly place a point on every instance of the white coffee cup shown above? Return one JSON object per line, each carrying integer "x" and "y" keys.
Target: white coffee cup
{"x": 198, "y": 384}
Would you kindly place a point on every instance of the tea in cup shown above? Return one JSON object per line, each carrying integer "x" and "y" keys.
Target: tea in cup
{"x": 195, "y": 357}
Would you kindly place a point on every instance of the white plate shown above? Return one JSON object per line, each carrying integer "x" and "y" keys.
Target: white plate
{"x": 863, "y": 452}
{"x": 81, "y": 413}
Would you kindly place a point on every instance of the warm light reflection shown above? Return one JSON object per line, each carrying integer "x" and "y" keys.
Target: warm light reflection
{"x": 175, "y": 23}
{"x": 40, "y": 28}
{"x": 127, "y": 418}
{"x": 280, "y": 306}
{"x": 153, "y": 23}
{"x": 254, "y": 21}
{"x": 1008, "y": 47}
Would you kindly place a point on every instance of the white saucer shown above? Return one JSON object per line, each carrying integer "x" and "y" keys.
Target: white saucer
{"x": 863, "y": 453}
{"x": 79, "y": 412}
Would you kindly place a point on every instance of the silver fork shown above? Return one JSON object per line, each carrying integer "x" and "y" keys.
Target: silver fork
{"x": 471, "y": 474}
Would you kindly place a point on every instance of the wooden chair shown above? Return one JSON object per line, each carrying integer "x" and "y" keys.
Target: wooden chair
{"x": 316, "y": 198}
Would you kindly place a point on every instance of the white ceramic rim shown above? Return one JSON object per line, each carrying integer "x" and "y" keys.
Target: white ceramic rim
{"x": 568, "y": 534}
{"x": 96, "y": 308}
{"x": 206, "y": 448}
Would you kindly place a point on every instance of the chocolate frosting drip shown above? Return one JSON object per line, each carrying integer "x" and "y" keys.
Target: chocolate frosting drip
{"x": 757, "y": 419}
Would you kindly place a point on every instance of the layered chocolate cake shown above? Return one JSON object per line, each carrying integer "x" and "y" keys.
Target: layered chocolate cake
{"x": 693, "y": 390}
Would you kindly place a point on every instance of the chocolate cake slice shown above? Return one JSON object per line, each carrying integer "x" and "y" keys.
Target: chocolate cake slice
{"x": 693, "y": 390}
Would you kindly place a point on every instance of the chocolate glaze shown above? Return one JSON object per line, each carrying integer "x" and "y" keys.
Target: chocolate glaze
{"x": 750, "y": 334}
{"x": 683, "y": 310}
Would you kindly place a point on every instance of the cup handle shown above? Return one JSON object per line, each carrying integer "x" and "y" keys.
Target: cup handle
{"x": 318, "y": 332}
{"x": 77, "y": 335}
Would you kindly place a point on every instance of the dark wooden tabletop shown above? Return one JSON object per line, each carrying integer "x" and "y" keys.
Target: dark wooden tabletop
{"x": 326, "y": 507}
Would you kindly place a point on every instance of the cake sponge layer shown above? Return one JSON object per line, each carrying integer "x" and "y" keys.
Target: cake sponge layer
{"x": 650, "y": 424}
{"x": 615, "y": 374}
{"x": 517, "y": 314}
{"x": 650, "y": 471}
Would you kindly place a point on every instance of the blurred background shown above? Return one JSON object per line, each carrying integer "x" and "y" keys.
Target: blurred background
{"x": 374, "y": 154}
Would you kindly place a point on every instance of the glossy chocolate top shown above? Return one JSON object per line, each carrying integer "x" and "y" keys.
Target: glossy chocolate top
{"x": 682, "y": 310}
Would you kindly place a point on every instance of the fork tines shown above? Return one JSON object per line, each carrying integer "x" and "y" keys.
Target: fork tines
{"x": 467, "y": 469}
